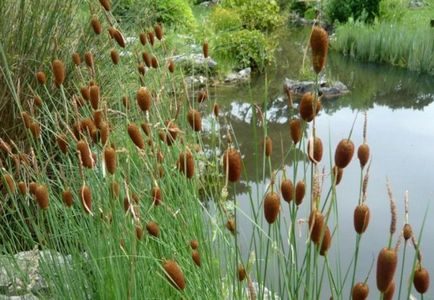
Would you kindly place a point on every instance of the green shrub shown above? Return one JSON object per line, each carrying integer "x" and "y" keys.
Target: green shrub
{"x": 223, "y": 19}
{"x": 342, "y": 10}
{"x": 246, "y": 48}
{"x": 392, "y": 10}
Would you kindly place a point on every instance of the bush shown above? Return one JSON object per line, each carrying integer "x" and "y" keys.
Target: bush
{"x": 223, "y": 19}
{"x": 392, "y": 10}
{"x": 247, "y": 48}
{"x": 342, "y": 10}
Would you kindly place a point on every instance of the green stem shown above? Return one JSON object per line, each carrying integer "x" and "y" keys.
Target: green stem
{"x": 402, "y": 270}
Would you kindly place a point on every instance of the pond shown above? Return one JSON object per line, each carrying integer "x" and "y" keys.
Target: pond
{"x": 400, "y": 133}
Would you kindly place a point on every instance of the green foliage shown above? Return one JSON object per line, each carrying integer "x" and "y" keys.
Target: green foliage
{"x": 223, "y": 19}
{"x": 342, "y": 10}
{"x": 247, "y": 48}
{"x": 393, "y": 10}
{"x": 338, "y": 10}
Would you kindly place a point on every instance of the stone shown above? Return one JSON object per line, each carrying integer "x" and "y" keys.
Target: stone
{"x": 238, "y": 77}
{"x": 328, "y": 89}
{"x": 194, "y": 60}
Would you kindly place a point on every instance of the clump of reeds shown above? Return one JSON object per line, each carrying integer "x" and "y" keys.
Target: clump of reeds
{"x": 232, "y": 165}
{"x": 319, "y": 45}
{"x": 58, "y": 72}
{"x": 174, "y": 274}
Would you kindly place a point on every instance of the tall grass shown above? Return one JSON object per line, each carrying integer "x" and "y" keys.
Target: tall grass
{"x": 392, "y": 43}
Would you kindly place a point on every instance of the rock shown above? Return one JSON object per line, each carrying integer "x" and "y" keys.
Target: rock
{"x": 237, "y": 77}
{"x": 197, "y": 81}
{"x": 416, "y": 4}
{"x": 328, "y": 89}
{"x": 194, "y": 60}
{"x": 22, "y": 297}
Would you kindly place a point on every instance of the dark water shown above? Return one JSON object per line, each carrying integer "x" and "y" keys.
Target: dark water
{"x": 400, "y": 111}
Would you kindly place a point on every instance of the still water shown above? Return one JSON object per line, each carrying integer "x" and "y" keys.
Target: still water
{"x": 400, "y": 111}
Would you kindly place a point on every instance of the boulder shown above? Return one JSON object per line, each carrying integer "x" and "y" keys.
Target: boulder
{"x": 238, "y": 77}
{"x": 328, "y": 89}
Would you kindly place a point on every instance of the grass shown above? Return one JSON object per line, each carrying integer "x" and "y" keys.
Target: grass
{"x": 111, "y": 254}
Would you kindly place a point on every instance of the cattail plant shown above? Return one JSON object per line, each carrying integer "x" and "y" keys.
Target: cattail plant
{"x": 300, "y": 190}
{"x": 58, "y": 72}
{"x": 185, "y": 164}
{"x": 316, "y": 225}
{"x": 153, "y": 228}
{"x": 88, "y": 59}
{"x": 232, "y": 165}
{"x": 361, "y": 218}
{"x": 62, "y": 143}
{"x": 390, "y": 291}
{"x": 119, "y": 38}
{"x": 337, "y": 174}
{"x": 268, "y": 144}
{"x": 194, "y": 119}
{"x": 194, "y": 244}
{"x": 344, "y": 153}
{"x": 86, "y": 198}
{"x": 315, "y": 150}
{"x": 76, "y": 59}
{"x": 308, "y": 107}
{"x": 156, "y": 196}
{"x": 319, "y": 45}
{"x": 421, "y": 279}
{"x": 158, "y": 31}
{"x": 171, "y": 66}
{"x": 32, "y": 187}
{"x": 84, "y": 154}
{"x": 295, "y": 130}
{"x": 104, "y": 131}
{"x": 144, "y": 100}
{"x": 216, "y": 110}
{"x": 202, "y": 95}
{"x": 143, "y": 38}
{"x": 174, "y": 274}
{"x": 67, "y": 198}
{"x": 205, "y": 49}
{"x": 360, "y": 291}
{"x": 22, "y": 187}
{"x": 35, "y": 129}
{"x": 9, "y": 182}
{"x": 151, "y": 38}
{"x": 147, "y": 58}
{"x": 96, "y": 25}
{"x": 41, "y": 78}
{"x": 196, "y": 258}
{"x": 27, "y": 119}
{"x": 37, "y": 101}
{"x": 110, "y": 159}
{"x": 326, "y": 242}
{"x": 287, "y": 190}
{"x": 106, "y": 4}
{"x": 135, "y": 136}
{"x": 242, "y": 274}
{"x": 94, "y": 96}
{"x": 85, "y": 92}
{"x": 231, "y": 226}
{"x": 386, "y": 266}
{"x": 154, "y": 62}
{"x": 114, "y": 55}
{"x": 41, "y": 195}
{"x": 271, "y": 207}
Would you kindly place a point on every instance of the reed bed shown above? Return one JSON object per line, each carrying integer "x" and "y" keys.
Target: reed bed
{"x": 145, "y": 201}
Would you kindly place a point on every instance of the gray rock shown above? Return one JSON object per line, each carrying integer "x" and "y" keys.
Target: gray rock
{"x": 22, "y": 297}
{"x": 197, "y": 81}
{"x": 194, "y": 60}
{"x": 328, "y": 89}
{"x": 237, "y": 77}
{"x": 416, "y": 4}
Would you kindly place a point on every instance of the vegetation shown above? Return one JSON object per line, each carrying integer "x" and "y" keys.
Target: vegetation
{"x": 341, "y": 11}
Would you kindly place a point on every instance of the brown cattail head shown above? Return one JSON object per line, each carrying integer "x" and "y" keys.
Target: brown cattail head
{"x": 135, "y": 136}
{"x": 271, "y": 207}
{"x": 268, "y": 143}
{"x": 344, "y": 153}
{"x": 171, "y": 66}
{"x": 388, "y": 294}
{"x": 139, "y": 231}
{"x": 143, "y": 38}
{"x": 308, "y": 107}
{"x": 94, "y": 94}
{"x": 62, "y": 142}
{"x": 114, "y": 189}
{"x": 85, "y": 92}
{"x": 421, "y": 280}
{"x": 147, "y": 59}
{"x": 326, "y": 242}
{"x": 10, "y": 183}
{"x": 316, "y": 226}
{"x": 295, "y": 130}
{"x": 141, "y": 69}
{"x": 194, "y": 244}
{"x": 242, "y": 274}
{"x": 153, "y": 228}
{"x": 110, "y": 159}
{"x": 154, "y": 62}
{"x": 287, "y": 190}
{"x": 104, "y": 132}
{"x": 35, "y": 128}
{"x": 67, "y": 198}
{"x": 315, "y": 150}
{"x": 76, "y": 59}
{"x": 319, "y": 44}
{"x": 231, "y": 226}
{"x": 174, "y": 274}
{"x": 41, "y": 195}
{"x": 216, "y": 110}
{"x": 156, "y": 195}
{"x": 361, "y": 218}
{"x": 41, "y": 78}
{"x": 196, "y": 258}
{"x": 151, "y": 38}
{"x": 300, "y": 190}
{"x": 86, "y": 198}
{"x": 363, "y": 154}
{"x": 232, "y": 165}
{"x": 360, "y": 291}
{"x": 337, "y": 174}
{"x": 194, "y": 119}
{"x": 205, "y": 49}
{"x": 202, "y": 95}
{"x": 98, "y": 118}
{"x": 158, "y": 31}
{"x": 386, "y": 267}
{"x": 114, "y": 56}
{"x": 84, "y": 154}
{"x": 144, "y": 100}
{"x": 22, "y": 187}
{"x": 146, "y": 129}
{"x": 407, "y": 232}
{"x": 117, "y": 35}
{"x": 185, "y": 164}
{"x": 27, "y": 119}
{"x": 96, "y": 25}
{"x": 32, "y": 187}
{"x": 106, "y": 4}
{"x": 126, "y": 102}
{"x": 88, "y": 58}
{"x": 37, "y": 101}
{"x": 58, "y": 71}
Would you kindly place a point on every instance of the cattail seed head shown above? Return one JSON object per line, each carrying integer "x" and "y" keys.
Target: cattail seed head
{"x": 363, "y": 154}
{"x": 143, "y": 38}
{"x": 41, "y": 78}
{"x": 287, "y": 190}
{"x": 361, "y": 218}
{"x": 27, "y": 119}
{"x": 104, "y": 132}
{"x": 407, "y": 232}
{"x": 58, "y": 71}
{"x": 154, "y": 62}
{"x": 86, "y": 198}
{"x": 106, "y": 4}
{"x": 315, "y": 150}
{"x": 94, "y": 94}
{"x": 114, "y": 189}
{"x": 117, "y": 35}
{"x": 271, "y": 207}
{"x": 216, "y": 110}
{"x": 158, "y": 31}
{"x": 41, "y": 195}
{"x": 337, "y": 174}
{"x": 22, "y": 187}
{"x": 141, "y": 69}
{"x": 97, "y": 118}
{"x": 114, "y": 56}
{"x": 146, "y": 128}
{"x": 37, "y": 101}
{"x": 185, "y": 164}
{"x": 295, "y": 130}
{"x": 232, "y": 165}
{"x": 96, "y": 25}
{"x": 67, "y": 198}
{"x": 360, "y": 291}
{"x": 205, "y": 49}
{"x": 316, "y": 226}
{"x": 231, "y": 226}
{"x": 151, "y": 38}
{"x": 85, "y": 154}
{"x": 32, "y": 187}
{"x": 421, "y": 280}
{"x": 344, "y": 153}
{"x": 202, "y": 95}
{"x": 147, "y": 59}
{"x": 386, "y": 266}
{"x": 194, "y": 119}
{"x": 196, "y": 258}
{"x": 268, "y": 143}
{"x": 326, "y": 242}
{"x": 319, "y": 45}
{"x": 153, "y": 228}
{"x": 171, "y": 66}
{"x": 300, "y": 190}
{"x": 242, "y": 274}
{"x": 308, "y": 107}
{"x": 76, "y": 59}
{"x": 35, "y": 128}
{"x": 85, "y": 92}
{"x": 388, "y": 294}
{"x": 194, "y": 244}
{"x": 62, "y": 142}
{"x": 139, "y": 232}
{"x": 126, "y": 102}
{"x": 144, "y": 100}
{"x": 10, "y": 183}
{"x": 110, "y": 159}
{"x": 88, "y": 58}
{"x": 156, "y": 195}
{"x": 174, "y": 274}
{"x": 135, "y": 136}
